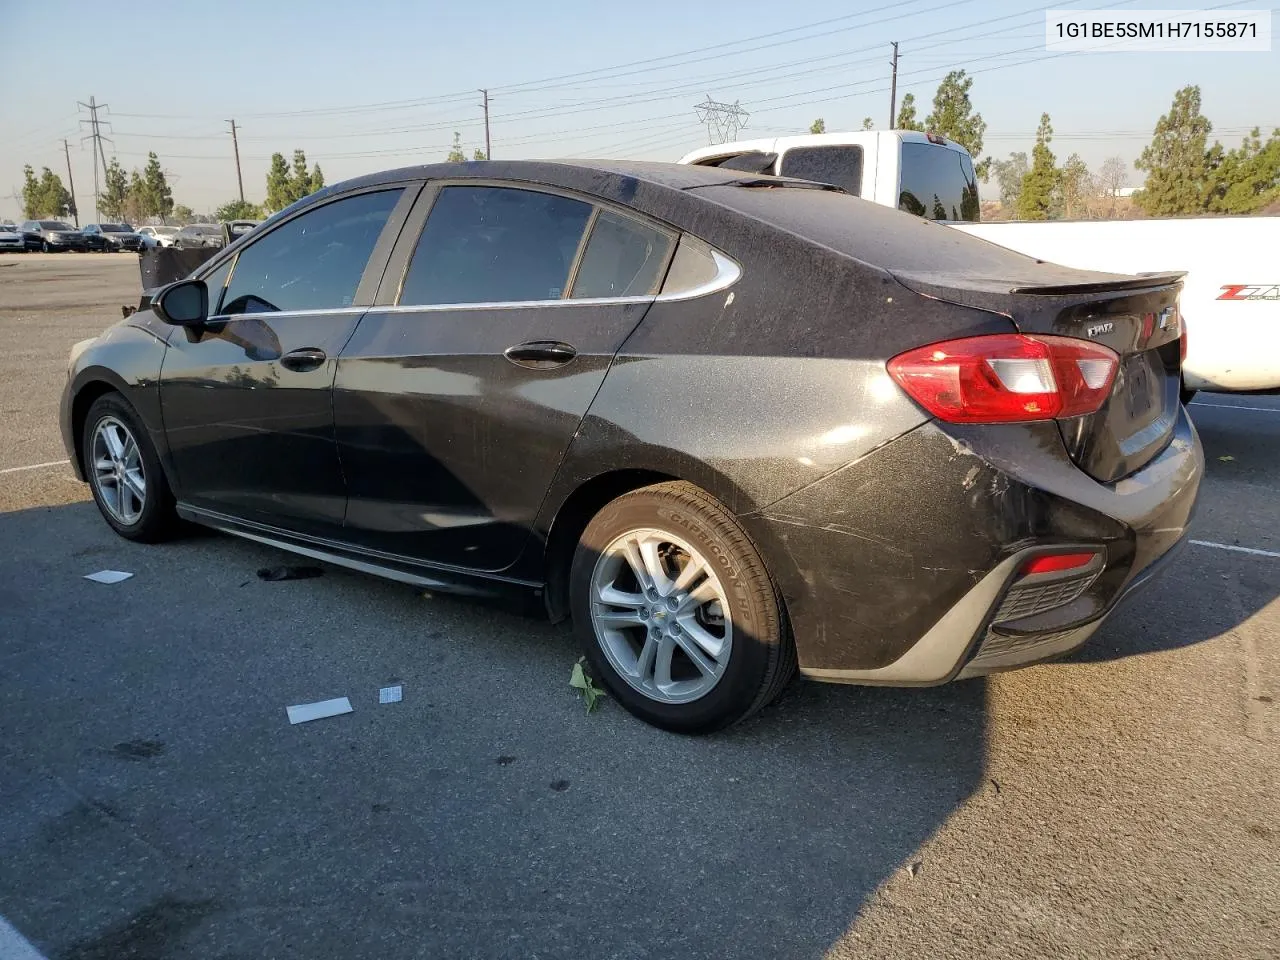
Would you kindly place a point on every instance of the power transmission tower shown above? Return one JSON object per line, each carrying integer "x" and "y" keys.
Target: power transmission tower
{"x": 723, "y": 120}
{"x": 75, "y": 210}
{"x": 95, "y": 126}
{"x": 235, "y": 145}
{"x": 488, "y": 151}
{"x": 893, "y": 89}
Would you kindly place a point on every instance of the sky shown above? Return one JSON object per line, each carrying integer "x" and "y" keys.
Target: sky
{"x": 377, "y": 84}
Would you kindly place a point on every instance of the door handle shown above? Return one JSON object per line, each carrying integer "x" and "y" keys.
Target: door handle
{"x": 304, "y": 359}
{"x": 540, "y": 354}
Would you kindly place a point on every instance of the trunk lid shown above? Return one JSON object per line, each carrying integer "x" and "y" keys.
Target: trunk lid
{"x": 1137, "y": 317}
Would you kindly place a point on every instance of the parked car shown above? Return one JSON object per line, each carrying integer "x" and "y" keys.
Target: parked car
{"x": 196, "y": 235}
{"x": 1230, "y": 298}
{"x": 52, "y": 236}
{"x": 233, "y": 230}
{"x": 161, "y": 236}
{"x": 111, "y": 237}
{"x": 11, "y": 238}
{"x": 726, "y": 429}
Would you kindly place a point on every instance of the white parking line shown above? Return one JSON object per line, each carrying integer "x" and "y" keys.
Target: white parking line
{"x": 1232, "y": 406}
{"x": 1226, "y": 546}
{"x": 34, "y": 466}
{"x": 14, "y": 946}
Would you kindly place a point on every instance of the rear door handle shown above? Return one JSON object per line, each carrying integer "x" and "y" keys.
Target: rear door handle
{"x": 304, "y": 359}
{"x": 540, "y": 354}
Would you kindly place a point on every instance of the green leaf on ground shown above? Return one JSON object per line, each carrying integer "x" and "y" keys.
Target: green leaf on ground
{"x": 579, "y": 680}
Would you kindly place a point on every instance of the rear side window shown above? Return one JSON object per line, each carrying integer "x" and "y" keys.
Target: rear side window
{"x": 313, "y": 262}
{"x": 937, "y": 183}
{"x": 840, "y": 165}
{"x": 623, "y": 258}
{"x": 495, "y": 245}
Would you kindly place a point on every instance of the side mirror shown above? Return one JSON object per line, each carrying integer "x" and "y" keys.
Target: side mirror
{"x": 183, "y": 304}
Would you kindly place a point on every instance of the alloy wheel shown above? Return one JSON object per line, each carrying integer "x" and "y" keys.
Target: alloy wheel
{"x": 118, "y": 472}
{"x": 661, "y": 616}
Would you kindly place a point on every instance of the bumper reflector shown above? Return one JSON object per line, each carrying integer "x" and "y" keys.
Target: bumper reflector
{"x": 1057, "y": 562}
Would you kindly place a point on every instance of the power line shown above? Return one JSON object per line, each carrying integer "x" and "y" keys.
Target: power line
{"x": 97, "y": 137}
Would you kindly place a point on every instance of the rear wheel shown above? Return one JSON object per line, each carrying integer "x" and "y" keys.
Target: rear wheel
{"x": 676, "y": 612}
{"x": 124, "y": 473}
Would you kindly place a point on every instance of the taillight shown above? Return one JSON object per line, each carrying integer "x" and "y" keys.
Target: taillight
{"x": 1007, "y": 377}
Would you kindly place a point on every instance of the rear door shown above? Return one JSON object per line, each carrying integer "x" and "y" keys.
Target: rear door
{"x": 247, "y": 397}
{"x": 458, "y": 395}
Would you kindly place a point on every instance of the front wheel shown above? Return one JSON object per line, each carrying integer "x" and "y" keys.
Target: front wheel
{"x": 676, "y": 613}
{"x": 124, "y": 473}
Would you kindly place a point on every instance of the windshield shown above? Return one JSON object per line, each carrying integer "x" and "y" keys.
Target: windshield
{"x": 56, "y": 225}
{"x": 206, "y": 229}
{"x": 164, "y": 231}
{"x": 116, "y": 228}
{"x": 938, "y": 183}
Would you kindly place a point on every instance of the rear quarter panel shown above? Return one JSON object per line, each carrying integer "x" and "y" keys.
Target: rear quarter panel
{"x": 1231, "y": 294}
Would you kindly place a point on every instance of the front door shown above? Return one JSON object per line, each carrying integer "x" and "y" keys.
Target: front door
{"x": 247, "y": 397}
{"x": 455, "y": 404}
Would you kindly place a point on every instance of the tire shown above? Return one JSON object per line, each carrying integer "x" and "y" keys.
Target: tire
{"x": 156, "y": 519}
{"x": 44, "y": 246}
{"x": 736, "y": 601}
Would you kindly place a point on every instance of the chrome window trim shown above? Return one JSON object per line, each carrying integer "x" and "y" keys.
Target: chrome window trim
{"x": 728, "y": 272}
{"x": 288, "y": 313}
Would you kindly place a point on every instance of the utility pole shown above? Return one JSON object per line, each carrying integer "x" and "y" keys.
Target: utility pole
{"x": 75, "y": 210}
{"x": 893, "y": 89}
{"x": 488, "y": 150}
{"x": 95, "y": 126}
{"x": 235, "y": 145}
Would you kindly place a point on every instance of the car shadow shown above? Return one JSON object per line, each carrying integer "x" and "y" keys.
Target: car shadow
{"x": 486, "y": 815}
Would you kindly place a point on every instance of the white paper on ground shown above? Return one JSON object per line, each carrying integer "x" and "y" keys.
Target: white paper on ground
{"x": 318, "y": 711}
{"x": 390, "y": 694}
{"x": 108, "y": 576}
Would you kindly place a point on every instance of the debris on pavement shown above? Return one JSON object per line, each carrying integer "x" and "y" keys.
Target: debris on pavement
{"x": 579, "y": 680}
{"x": 916, "y": 868}
{"x": 303, "y": 712}
{"x": 391, "y": 694}
{"x": 108, "y": 576}
{"x": 1226, "y": 458}
{"x": 273, "y": 574}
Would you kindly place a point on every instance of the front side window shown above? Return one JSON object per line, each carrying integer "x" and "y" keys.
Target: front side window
{"x": 938, "y": 183}
{"x": 495, "y": 245}
{"x": 840, "y": 165}
{"x": 312, "y": 262}
{"x": 623, "y": 258}
{"x": 215, "y": 281}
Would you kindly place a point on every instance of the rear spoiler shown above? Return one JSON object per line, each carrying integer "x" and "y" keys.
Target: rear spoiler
{"x": 1141, "y": 281}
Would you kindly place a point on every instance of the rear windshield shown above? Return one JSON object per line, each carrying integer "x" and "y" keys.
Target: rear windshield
{"x": 838, "y": 164}
{"x": 937, "y": 183}
{"x": 116, "y": 228}
{"x": 55, "y": 225}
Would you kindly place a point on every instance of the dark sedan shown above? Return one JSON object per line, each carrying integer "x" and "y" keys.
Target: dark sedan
{"x": 111, "y": 237}
{"x": 51, "y": 236}
{"x": 728, "y": 424}
{"x": 196, "y": 236}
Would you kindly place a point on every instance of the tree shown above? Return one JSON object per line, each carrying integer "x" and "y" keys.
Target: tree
{"x": 317, "y": 179}
{"x": 1075, "y": 187}
{"x": 953, "y": 117}
{"x": 1246, "y": 179}
{"x": 279, "y": 184}
{"x": 157, "y": 196}
{"x": 44, "y": 197}
{"x": 115, "y": 193}
{"x": 1112, "y": 176}
{"x": 479, "y": 155}
{"x": 907, "y": 115}
{"x": 455, "y": 155}
{"x": 868, "y": 123}
{"x": 135, "y": 199}
{"x": 1041, "y": 180}
{"x": 183, "y": 214}
{"x": 818, "y": 126}
{"x": 238, "y": 210}
{"x": 1009, "y": 175}
{"x": 1176, "y": 160}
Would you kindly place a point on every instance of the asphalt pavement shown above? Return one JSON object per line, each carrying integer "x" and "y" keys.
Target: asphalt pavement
{"x": 158, "y": 804}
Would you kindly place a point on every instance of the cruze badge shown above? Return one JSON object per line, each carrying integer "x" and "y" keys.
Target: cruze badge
{"x": 1100, "y": 328}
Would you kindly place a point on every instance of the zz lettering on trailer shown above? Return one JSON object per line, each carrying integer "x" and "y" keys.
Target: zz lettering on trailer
{"x": 1250, "y": 291}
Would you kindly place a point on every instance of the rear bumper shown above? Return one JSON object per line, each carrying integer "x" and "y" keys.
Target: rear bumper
{"x": 897, "y": 568}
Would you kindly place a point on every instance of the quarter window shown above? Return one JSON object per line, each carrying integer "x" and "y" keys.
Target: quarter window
{"x": 839, "y": 165}
{"x": 314, "y": 261}
{"x": 495, "y": 245}
{"x": 938, "y": 183}
{"x": 623, "y": 258}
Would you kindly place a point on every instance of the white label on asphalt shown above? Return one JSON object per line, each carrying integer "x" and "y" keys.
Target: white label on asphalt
{"x": 14, "y": 946}
{"x": 1227, "y": 546}
{"x": 318, "y": 711}
{"x": 390, "y": 694}
{"x": 35, "y": 466}
{"x": 108, "y": 576}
